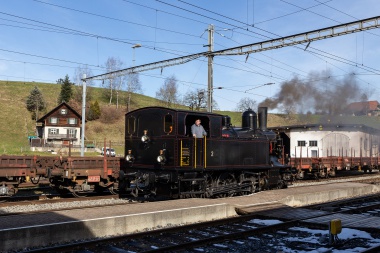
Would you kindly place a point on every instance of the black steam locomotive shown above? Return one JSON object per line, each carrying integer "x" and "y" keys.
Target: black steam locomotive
{"x": 163, "y": 157}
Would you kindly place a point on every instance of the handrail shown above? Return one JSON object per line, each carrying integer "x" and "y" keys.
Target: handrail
{"x": 204, "y": 151}
{"x": 195, "y": 153}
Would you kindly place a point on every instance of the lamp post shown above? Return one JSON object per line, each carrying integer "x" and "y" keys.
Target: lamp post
{"x": 258, "y": 86}
{"x": 133, "y": 59}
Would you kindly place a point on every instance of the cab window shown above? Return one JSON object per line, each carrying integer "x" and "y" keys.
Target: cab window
{"x": 131, "y": 125}
{"x": 190, "y": 120}
{"x": 168, "y": 124}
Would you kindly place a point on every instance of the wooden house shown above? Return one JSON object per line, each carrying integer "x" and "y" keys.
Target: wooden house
{"x": 60, "y": 126}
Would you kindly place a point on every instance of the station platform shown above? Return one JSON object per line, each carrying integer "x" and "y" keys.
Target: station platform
{"x": 22, "y": 231}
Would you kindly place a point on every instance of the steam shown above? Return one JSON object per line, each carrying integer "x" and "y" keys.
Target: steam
{"x": 319, "y": 93}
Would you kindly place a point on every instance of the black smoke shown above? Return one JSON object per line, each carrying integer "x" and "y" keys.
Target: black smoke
{"x": 319, "y": 93}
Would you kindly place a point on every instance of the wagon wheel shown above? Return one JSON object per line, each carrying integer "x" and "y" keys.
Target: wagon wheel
{"x": 12, "y": 190}
{"x": 226, "y": 179}
{"x": 112, "y": 190}
{"x": 77, "y": 192}
{"x": 300, "y": 175}
{"x": 323, "y": 173}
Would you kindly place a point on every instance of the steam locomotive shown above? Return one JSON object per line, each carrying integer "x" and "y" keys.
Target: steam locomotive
{"x": 163, "y": 158}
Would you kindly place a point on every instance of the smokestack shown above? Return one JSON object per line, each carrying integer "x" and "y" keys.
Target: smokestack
{"x": 249, "y": 120}
{"x": 263, "y": 116}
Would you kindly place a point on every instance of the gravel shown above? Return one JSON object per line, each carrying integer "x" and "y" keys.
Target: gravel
{"x": 60, "y": 205}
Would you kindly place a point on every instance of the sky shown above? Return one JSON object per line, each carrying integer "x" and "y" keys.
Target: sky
{"x": 45, "y": 40}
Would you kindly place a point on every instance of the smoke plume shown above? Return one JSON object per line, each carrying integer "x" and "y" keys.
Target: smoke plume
{"x": 319, "y": 93}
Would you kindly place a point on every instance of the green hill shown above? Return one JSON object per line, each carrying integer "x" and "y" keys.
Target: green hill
{"x": 16, "y": 123}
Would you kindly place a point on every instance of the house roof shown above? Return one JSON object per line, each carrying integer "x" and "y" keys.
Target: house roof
{"x": 363, "y": 106}
{"x": 56, "y": 108}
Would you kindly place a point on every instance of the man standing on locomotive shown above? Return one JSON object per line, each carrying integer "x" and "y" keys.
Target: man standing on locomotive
{"x": 197, "y": 129}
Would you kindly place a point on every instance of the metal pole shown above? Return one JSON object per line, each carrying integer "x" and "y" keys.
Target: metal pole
{"x": 83, "y": 114}
{"x": 130, "y": 76}
{"x": 210, "y": 69}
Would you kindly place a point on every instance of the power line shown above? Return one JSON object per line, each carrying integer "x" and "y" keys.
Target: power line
{"x": 45, "y": 57}
{"x": 102, "y": 16}
{"x": 116, "y": 19}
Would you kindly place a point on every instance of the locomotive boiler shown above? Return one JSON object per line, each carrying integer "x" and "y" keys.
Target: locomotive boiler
{"x": 163, "y": 157}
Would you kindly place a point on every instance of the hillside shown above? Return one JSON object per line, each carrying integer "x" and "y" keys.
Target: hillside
{"x": 16, "y": 123}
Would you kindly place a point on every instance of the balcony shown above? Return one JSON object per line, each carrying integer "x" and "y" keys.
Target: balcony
{"x": 61, "y": 137}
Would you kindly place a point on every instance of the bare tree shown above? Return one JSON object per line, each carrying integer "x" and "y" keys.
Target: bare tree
{"x": 133, "y": 86}
{"x": 113, "y": 81}
{"x": 78, "y": 75}
{"x": 168, "y": 92}
{"x": 245, "y": 104}
{"x": 195, "y": 100}
{"x": 215, "y": 105}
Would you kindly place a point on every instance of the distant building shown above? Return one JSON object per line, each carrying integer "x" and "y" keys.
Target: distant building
{"x": 369, "y": 108}
{"x": 323, "y": 140}
{"x": 60, "y": 126}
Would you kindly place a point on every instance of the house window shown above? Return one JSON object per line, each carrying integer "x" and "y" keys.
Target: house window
{"x": 71, "y": 132}
{"x": 72, "y": 121}
{"x": 313, "y": 143}
{"x": 53, "y": 131}
{"x": 53, "y": 120}
{"x": 301, "y": 143}
{"x": 63, "y": 111}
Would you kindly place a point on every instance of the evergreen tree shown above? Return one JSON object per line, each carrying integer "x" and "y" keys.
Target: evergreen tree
{"x": 94, "y": 111}
{"x": 66, "y": 90}
{"x": 35, "y": 103}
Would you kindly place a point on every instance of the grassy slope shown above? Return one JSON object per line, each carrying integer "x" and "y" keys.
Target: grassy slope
{"x": 16, "y": 123}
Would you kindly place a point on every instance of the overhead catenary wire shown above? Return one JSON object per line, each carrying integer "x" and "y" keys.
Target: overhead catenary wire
{"x": 255, "y": 59}
{"x": 131, "y": 2}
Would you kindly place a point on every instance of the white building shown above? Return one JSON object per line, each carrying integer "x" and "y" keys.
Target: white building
{"x": 317, "y": 140}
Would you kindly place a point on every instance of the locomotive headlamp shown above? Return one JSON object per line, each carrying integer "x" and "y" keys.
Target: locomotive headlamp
{"x": 129, "y": 157}
{"x": 161, "y": 158}
{"x": 145, "y": 137}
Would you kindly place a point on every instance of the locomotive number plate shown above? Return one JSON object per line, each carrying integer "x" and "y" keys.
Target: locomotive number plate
{"x": 93, "y": 179}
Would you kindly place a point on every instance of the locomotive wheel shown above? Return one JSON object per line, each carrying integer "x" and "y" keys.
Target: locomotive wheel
{"x": 226, "y": 179}
{"x": 209, "y": 183}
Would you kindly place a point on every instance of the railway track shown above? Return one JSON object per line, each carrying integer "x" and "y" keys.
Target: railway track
{"x": 49, "y": 201}
{"x": 371, "y": 178}
{"x": 44, "y": 193}
{"x": 254, "y": 232}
